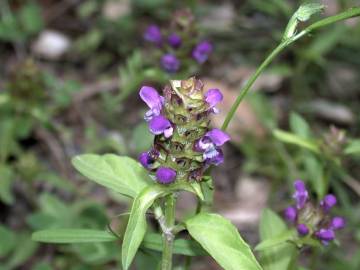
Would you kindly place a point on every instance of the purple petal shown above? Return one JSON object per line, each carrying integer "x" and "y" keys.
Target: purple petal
{"x": 214, "y": 156}
{"x": 203, "y": 144}
{"x": 151, "y": 97}
{"x": 174, "y": 40}
{"x": 170, "y": 63}
{"x": 213, "y": 97}
{"x": 145, "y": 159}
{"x": 201, "y": 52}
{"x": 153, "y": 34}
{"x": 165, "y": 175}
{"x": 328, "y": 202}
{"x": 325, "y": 235}
{"x": 290, "y": 213}
{"x": 217, "y": 136}
{"x": 301, "y": 195}
{"x": 159, "y": 125}
{"x": 337, "y": 223}
{"x": 302, "y": 229}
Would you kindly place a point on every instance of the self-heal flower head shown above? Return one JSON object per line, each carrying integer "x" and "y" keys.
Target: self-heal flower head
{"x": 328, "y": 202}
{"x": 290, "y": 213}
{"x": 160, "y": 125}
{"x": 165, "y": 175}
{"x": 152, "y": 98}
{"x": 202, "y": 51}
{"x": 301, "y": 195}
{"x": 174, "y": 40}
{"x": 184, "y": 145}
{"x": 311, "y": 219}
{"x": 153, "y": 34}
{"x": 170, "y": 63}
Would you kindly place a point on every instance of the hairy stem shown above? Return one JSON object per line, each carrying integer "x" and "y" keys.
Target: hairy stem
{"x": 168, "y": 236}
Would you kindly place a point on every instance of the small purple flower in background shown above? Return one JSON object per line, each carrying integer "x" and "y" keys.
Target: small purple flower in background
{"x": 174, "y": 40}
{"x": 152, "y": 98}
{"x": 325, "y": 235}
{"x": 328, "y": 202}
{"x": 337, "y": 223}
{"x": 213, "y": 97}
{"x": 160, "y": 125}
{"x": 209, "y": 145}
{"x": 301, "y": 195}
{"x": 153, "y": 34}
{"x": 170, "y": 63}
{"x": 290, "y": 213}
{"x": 165, "y": 175}
{"x": 313, "y": 220}
{"x": 202, "y": 51}
{"x": 302, "y": 229}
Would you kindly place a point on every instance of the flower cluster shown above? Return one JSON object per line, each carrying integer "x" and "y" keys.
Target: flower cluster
{"x": 179, "y": 43}
{"x": 313, "y": 220}
{"x": 184, "y": 145}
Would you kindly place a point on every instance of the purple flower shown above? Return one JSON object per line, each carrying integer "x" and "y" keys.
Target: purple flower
{"x": 153, "y": 34}
{"x": 213, "y": 97}
{"x": 337, "y": 223}
{"x": 165, "y": 175}
{"x": 290, "y": 213}
{"x": 152, "y": 98}
{"x": 328, "y": 202}
{"x": 160, "y": 125}
{"x": 325, "y": 235}
{"x": 174, "y": 40}
{"x": 209, "y": 145}
{"x": 170, "y": 63}
{"x": 201, "y": 52}
{"x": 148, "y": 158}
{"x": 301, "y": 195}
{"x": 145, "y": 159}
{"x": 302, "y": 229}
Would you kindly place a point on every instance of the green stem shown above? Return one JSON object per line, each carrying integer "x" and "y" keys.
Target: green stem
{"x": 250, "y": 82}
{"x": 353, "y": 12}
{"x": 168, "y": 236}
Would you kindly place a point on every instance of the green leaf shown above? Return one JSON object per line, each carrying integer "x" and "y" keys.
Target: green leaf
{"x": 306, "y": 11}
{"x": 24, "y": 250}
{"x": 7, "y": 242}
{"x": 6, "y": 177}
{"x": 277, "y": 240}
{"x": 299, "y": 126}
{"x": 222, "y": 241}
{"x": 303, "y": 14}
{"x": 353, "y": 148}
{"x": 272, "y": 231}
{"x": 67, "y": 236}
{"x": 185, "y": 247}
{"x": 136, "y": 227}
{"x": 121, "y": 174}
{"x": 291, "y": 138}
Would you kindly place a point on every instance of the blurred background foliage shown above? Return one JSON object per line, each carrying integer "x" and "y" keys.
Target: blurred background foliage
{"x": 69, "y": 76}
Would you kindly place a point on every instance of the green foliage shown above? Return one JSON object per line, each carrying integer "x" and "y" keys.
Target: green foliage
{"x": 121, "y": 174}
{"x": 275, "y": 253}
{"x": 72, "y": 236}
{"x": 219, "y": 237}
{"x": 136, "y": 227}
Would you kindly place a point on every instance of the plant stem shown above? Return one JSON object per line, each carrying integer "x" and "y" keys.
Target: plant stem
{"x": 250, "y": 82}
{"x": 168, "y": 236}
{"x": 352, "y": 12}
